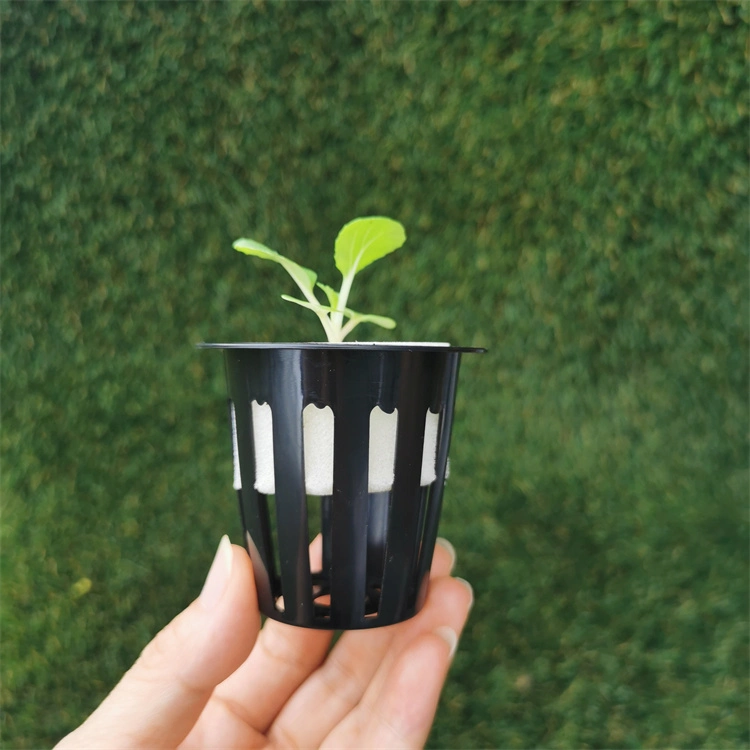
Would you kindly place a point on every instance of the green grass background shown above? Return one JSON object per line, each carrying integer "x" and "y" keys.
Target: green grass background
{"x": 573, "y": 179}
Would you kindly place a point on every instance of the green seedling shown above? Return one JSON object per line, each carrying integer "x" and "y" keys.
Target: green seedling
{"x": 358, "y": 244}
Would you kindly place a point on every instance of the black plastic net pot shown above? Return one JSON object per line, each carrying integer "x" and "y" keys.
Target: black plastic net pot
{"x": 351, "y": 442}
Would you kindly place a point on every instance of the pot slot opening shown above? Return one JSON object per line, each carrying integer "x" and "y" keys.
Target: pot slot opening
{"x": 237, "y": 481}
{"x": 424, "y": 500}
{"x": 382, "y": 451}
{"x": 372, "y": 603}
{"x": 319, "y": 533}
{"x": 429, "y": 447}
{"x": 377, "y": 535}
{"x": 314, "y": 533}
{"x": 318, "y": 429}
{"x": 263, "y": 444}
{"x": 323, "y": 602}
{"x": 273, "y": 529}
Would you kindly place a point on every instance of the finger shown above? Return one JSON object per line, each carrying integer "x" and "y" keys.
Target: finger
{"x": 443, "y": 559}
{"x": 454, "y": 599}
{"x": 343, "y": 679}
{"x": 398, "y": 706}
{"x": 402, "y": 712}
{"x": 283, "y": 658}
{"x": 161, "y": 696}
{"x": 316, "y": 554}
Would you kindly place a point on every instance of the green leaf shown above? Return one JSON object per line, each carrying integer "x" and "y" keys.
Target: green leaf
{"x": 304, "y": 277}
{"x": 365, "y": 240}
{"x": 379, "y": 320}
{"x": 355, "y": 317}
{"x": 308, "y": 305}
{"x": 332, "y": 294}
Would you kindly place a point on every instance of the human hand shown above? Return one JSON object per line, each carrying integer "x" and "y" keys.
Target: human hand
{"x": 212, "y": 678}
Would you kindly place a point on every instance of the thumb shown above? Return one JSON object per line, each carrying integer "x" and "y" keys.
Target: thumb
{"x": 160, "y": 698}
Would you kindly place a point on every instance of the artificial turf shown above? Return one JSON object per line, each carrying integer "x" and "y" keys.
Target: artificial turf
{"x": 573, "y": 179}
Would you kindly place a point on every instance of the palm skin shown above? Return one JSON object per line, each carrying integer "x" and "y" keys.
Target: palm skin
{"x": 212, "y": 678}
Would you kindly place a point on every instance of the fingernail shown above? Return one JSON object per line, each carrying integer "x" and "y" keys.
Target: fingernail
{"x": 450, "y": 636}
{"x": 449, "y": 548}
{"x": 469, "y": 588}
{"x": 218, "y": 576}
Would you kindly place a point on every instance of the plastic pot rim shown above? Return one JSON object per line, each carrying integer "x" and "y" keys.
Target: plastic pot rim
{"x": 377, "y": 346}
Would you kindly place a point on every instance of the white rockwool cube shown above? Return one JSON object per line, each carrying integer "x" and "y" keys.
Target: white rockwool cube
{"x": 317, "y": 429}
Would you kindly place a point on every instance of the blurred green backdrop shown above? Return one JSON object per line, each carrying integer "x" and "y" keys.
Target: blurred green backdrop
{"x": 573, "y": 180}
